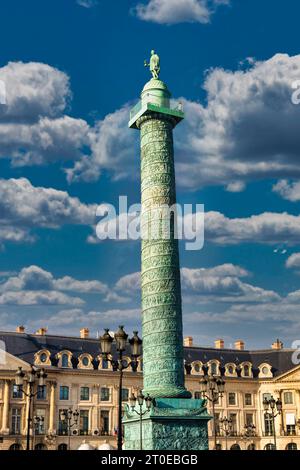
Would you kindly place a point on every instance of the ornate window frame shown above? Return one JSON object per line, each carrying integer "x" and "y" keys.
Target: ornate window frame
{"x": 60, "y": 355}
{"x": 242, "y": 367}
{"x": 229, "y": 374}
{"x": 37, "y": 358}
{"x": 261, "y": 374}
{"x": 100, "y": 360}
{"x": 90, "y": 359}
{"x": 194, "y": 371}
{"x": 217, "y": 363}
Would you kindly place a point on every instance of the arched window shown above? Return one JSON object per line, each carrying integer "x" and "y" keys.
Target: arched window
{"x": 230, "y": 370}
{"x": 270, "y": 447}
{"x": 40, "y": 446}
{"x": 235, "y": 447}
{"x": 218, "y": 446}
{"x": 62, "y": 447}
{"x": 246, "y": 369}
{"x": 16, "y": 447}
{"x": 251, "y": 447}
{"x": 291, "y": 446}
{"x": 65, "y": 360}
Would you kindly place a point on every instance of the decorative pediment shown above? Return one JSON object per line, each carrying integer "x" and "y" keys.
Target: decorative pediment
{"x": 11, "y": 363}
{"x": 292, "y": 375}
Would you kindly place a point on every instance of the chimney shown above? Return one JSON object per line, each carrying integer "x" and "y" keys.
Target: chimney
{"x": 277, "y": 345}
{"x": 84, "y": 333}
{"x": 240, "y": 345}
{"x": 219, "y": 343}
{"x": 188, "y": 341}
{"x": 41, "y": 332}
{"x": 20, "y": 329}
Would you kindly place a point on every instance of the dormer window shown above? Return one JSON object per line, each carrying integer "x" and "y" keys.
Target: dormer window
{"x": 230, "y": 370}
{"x": 85, "y": 361}
{"x": 65, "y": 359}
{"x": 246, "y": 369}
{"x": 265, "y": 370}
{"x": 213, "y": 368}
{"x": 103, "y": 364}
{"x": 42, "y": 358}
{"x": 196, "y": 368}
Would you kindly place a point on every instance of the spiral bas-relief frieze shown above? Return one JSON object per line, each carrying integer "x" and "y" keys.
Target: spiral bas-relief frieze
{"x": 161, "y": 291}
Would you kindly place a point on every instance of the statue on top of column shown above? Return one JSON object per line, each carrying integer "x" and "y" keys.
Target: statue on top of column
{"x": 154, "y": 65}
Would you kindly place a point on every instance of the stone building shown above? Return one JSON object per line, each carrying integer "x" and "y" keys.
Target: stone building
{"x": 79, "y": 379}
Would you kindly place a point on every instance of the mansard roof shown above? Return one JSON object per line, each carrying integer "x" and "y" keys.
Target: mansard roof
{"x": 25, "y": 346}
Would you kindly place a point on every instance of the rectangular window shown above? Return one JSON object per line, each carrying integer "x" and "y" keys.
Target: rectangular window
{"x": 64, "y": 392}
{"x": 267, "y": 396}
{"x": 248, "y": 399}
{"x": 231, "y": 398}
{"x": 17, "y": 392}
{"x": 269, "y": 428}
{"x": 104, "y": 420}
{"x": 290, "y": 420}
{"x": 232, "y": 417}
{"x": 16, "y": 421}
{"x": 249, "y": 419}
{"x": 84, "y": 393}
{"x": 39, "y": 422}
{"x": 84, "y": 422}
{"x": 288, "y": 398}
{"x": 41, "y": 392}
{"x": 125, "y": 394}
{"x": 62, "y": 424}
{"x": 105, "y": 395}
{"x": 198, "y": 395}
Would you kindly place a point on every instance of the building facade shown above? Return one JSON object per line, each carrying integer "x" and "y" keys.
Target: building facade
{"x": 79, "y": 379}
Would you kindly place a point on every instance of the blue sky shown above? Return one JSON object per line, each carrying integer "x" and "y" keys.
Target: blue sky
{"x": 72, "y": 70}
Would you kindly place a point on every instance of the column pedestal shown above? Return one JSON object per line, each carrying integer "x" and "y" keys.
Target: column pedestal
{"x": 172, "y": 424}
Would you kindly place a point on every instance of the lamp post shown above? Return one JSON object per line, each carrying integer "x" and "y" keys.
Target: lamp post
{"x": 118, "y": 365}
{"x": 67, "y": 416}
{"x": 33, "y": 375}
{"x": 272, "y": 408}
{"x": 140, "y": 399}
{"x": 212, "y": 388}
{"x": 226, "y": 427}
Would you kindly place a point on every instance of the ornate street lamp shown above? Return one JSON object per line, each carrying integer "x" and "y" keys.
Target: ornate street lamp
{"x": 31, "y": 377}
{"x": 226, "y": 427}
{"x": 212, "y": 388}
{"x": 69, "y": 417}
{"x": 140, "y": 399}
{"x": 118, "y": 365}
{"x": 272, "y": 409}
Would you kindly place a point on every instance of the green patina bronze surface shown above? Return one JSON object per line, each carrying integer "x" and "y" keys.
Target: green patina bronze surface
{"x": 176, "y": 421}
{"x": 161, "y": 292}
{"x": 173, "y": 424}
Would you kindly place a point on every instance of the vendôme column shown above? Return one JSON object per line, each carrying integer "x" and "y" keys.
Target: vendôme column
{"x": 175, "y": 421}
{"x": 161, "y": 291}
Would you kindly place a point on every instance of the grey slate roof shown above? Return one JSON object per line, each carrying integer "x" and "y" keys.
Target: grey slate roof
{"x": 24, "y": 346}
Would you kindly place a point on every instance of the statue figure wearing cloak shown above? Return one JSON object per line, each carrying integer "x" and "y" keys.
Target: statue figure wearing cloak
{"x": 154, "y": 65}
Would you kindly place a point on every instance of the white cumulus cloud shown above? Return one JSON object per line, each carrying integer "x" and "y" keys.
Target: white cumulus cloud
{"x": 178, "y": 11}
